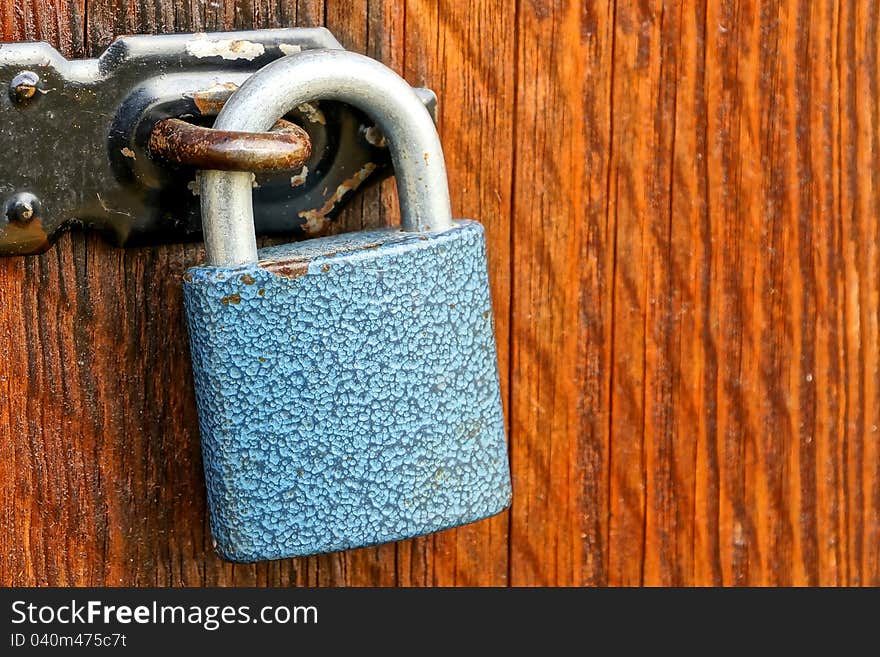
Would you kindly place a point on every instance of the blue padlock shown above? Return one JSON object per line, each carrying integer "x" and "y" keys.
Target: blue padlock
{"x": 347, "y": 386}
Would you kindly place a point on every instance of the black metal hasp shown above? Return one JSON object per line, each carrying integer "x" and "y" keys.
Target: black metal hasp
{"x": 113, "y": 144}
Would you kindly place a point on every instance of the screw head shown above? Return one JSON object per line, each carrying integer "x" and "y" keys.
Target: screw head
{"x": 24, "y": 86}
{"x": 22, "y": 208}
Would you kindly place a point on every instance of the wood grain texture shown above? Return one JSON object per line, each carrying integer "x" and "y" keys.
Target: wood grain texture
{"x": 681, "y": 204}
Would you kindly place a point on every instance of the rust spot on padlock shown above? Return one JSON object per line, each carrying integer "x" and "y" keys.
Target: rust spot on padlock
{"x": 297, "y": 267}
{"x": 233, "y": 299}
{"x": 286, "y": 268}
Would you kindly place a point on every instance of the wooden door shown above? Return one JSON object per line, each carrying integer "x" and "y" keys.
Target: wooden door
{"x": 682, "y": 201}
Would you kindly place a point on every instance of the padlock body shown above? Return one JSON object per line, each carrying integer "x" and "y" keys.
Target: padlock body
{"x": 348, "y": 392}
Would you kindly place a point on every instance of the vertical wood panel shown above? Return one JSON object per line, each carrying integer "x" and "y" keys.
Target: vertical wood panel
{"x": 681, "y": 201}
{"x": 827, "y": 245}
{"x": 697, "y": 411}
{"x": 860, "y": 186}
{"x": 638, "y": 221}
{"x": 671, "y": 421}
{"x": 563, "y": 236}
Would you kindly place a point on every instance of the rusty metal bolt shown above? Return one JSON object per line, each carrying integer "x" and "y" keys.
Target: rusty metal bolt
{"x": 23, "y": 86}
{"x": 22, "y": 208}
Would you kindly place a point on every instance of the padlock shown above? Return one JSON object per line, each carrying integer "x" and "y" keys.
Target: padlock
{"x": 347, "y": 385}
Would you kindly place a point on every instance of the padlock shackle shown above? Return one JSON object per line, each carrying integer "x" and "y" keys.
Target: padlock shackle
{"x": 286, "y": 83}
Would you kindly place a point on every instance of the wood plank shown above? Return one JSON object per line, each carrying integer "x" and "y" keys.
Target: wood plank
{"x": 698, "y": 362}
{"x": 674, "y": 180}
{"x": 737, "y": 437}
{"x": 563, "y": 240}
{"x": 859, "y": 189}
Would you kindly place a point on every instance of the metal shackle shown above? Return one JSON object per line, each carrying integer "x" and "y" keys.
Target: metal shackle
{"x": 281, "y": 86}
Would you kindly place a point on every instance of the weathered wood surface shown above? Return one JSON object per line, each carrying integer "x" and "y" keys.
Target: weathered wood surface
{"x": 682, "y": 204}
